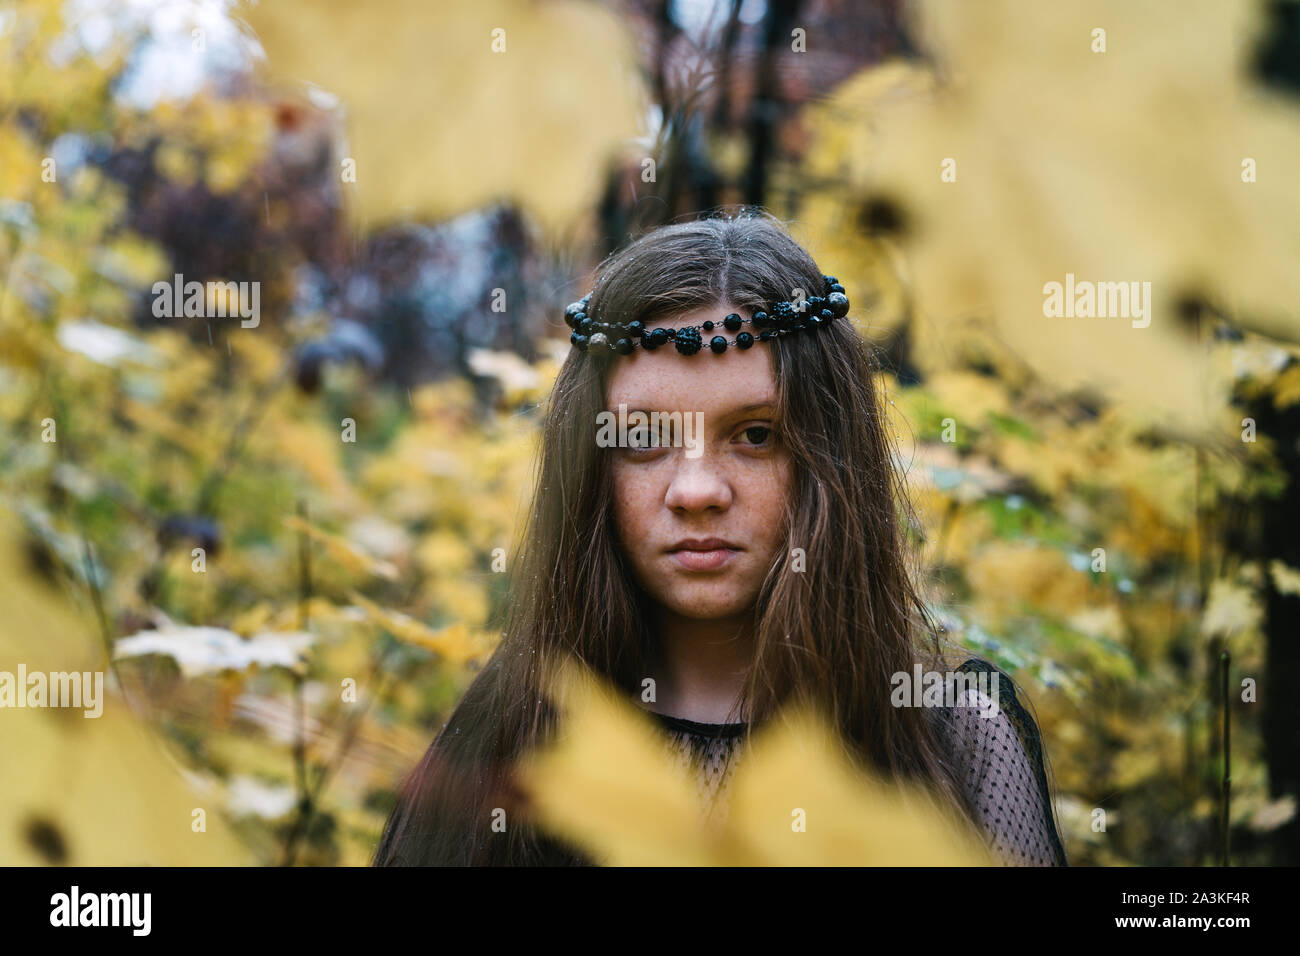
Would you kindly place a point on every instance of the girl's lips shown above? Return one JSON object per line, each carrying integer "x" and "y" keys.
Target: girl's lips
{"x": 703, "y": 560}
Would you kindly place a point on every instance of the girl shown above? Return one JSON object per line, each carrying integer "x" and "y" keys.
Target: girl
{"x": 731, "y": 567}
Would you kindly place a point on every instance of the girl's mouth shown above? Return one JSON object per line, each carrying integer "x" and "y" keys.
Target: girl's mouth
{"x": 703, "y": 554}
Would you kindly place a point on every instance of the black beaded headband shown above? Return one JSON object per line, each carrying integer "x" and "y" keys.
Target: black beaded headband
{"x": 794, "y": 315}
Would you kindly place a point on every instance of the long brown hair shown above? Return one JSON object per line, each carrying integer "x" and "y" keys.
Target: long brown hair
{"x": 833, "y": 635}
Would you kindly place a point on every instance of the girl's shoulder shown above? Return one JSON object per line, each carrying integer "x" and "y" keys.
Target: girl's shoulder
{"x": 998, "y": 752}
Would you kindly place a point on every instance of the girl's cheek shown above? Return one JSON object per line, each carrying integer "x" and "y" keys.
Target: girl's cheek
{"x": 634, "y": 503}
{"x": 630, "y": 488}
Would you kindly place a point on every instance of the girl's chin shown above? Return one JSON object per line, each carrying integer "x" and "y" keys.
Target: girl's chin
{"x": 706, "y": 606}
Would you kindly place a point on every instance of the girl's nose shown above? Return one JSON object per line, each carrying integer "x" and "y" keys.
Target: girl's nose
{"x": 698, "y": 485}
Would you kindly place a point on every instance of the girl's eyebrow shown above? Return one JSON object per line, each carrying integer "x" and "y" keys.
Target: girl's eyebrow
{"x": 742, "y": 410}
{"x": 755, "y": 406}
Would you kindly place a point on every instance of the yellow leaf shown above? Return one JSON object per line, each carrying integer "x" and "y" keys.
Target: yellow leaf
{"x": 799, "y": 802}
{"x": 456, "y": 642}
{"x": 343, "y": 551}
{"x": 1230, "y": 609}
{"x": 1054, "y": 147}
{"x": 155, "y": 420}
{"x": 608, "y": 784}
{"x": 87, "y": 791}
{"x": 536, "y": 120}
{"x": 1285, "y": 578}
{"x": 1286, "y": 388}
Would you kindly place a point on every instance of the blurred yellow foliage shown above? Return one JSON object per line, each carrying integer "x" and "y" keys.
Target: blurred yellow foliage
{"x": 518, "y": 106}
{"x": 1007, "y": 576}
{"x": 86, "y": 791}
{"x": 340, "y": 549}
{"x": 456, "y": 642}
{"x": 1117, "y": 165}
{"x": 795, "y": 800}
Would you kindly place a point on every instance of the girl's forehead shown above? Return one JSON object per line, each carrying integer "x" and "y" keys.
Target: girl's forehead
{"x": 669, "y": 380}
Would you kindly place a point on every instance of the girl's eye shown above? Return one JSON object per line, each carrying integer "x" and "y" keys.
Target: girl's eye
{"x": 757, "y": 434}
{"x": 642, "y": 440}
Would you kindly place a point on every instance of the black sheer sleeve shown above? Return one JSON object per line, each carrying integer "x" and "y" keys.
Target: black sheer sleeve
{"x": 1001, "y": 766}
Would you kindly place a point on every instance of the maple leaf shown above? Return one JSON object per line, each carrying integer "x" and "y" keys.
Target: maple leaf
{"x": 1127, "y": 165}
{"x": 442, "y": 119}
{"x": 608, "y": 784}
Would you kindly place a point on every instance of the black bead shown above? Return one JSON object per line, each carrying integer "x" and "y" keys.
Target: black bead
{"x": 624, "y": 346}
{"x": 838, "y": 303}
{"x": 708, "y": 325}
{"x": 837, "y": 288}
{"x": 657, "y": 338}
{"x": 718, "y": 344}
{"x": 815, "y": 320}
{"x": 572, "y": 309}
{"x": 766, "y": 334}
{"x": 732, "y": 322}
{"x": 744, "y": 340}
{"x": 830, "y": 280}
{"x": 826, "y": 315}
{"x": 579, "y": 340}
{"x": 783, "y": 310}
{"x": 586, "y": 326}
{"x": 688, "y": 340}
{"x": 760, "y": 319}
{"x": 636, "y": 328}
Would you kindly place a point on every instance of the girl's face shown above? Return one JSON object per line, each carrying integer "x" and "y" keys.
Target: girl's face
{"x": 701, "y": 523}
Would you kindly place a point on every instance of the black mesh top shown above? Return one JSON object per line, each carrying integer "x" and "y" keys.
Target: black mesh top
{"x": 998, "y": 758}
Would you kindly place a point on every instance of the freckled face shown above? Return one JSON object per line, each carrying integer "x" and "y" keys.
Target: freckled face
{"x": 730, "y": 486}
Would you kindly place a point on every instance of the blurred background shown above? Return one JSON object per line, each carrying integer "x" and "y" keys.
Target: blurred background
{"x": 279, "y": 522}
